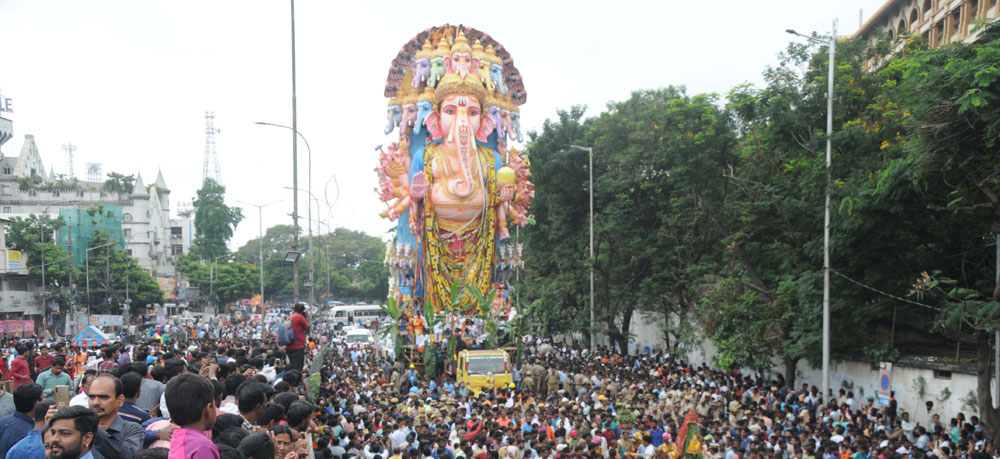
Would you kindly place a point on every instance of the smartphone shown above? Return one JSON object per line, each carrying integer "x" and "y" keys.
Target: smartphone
{"x": 61, "y": 395}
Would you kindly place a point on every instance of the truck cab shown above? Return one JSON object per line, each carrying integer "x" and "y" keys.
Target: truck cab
{"x": 476, "y": 367}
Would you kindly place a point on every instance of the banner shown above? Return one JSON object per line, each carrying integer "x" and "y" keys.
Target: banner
{"x": 168, "y": 286}
{"x": 13, "y": 260}
{"x": 106, "y": 320}
{"x": 17, "y": 326}
{"x": 161, "y": 319}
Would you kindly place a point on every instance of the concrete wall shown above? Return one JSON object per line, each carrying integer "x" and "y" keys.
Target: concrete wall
{"x": 949, "y": 392}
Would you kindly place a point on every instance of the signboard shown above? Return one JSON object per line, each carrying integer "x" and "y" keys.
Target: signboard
{"x": 13, "y": 260}
{"x": 884, "y": 391}
{"x": 105, "y": 320}
{"x": 161, "y": 319}
{"x": 17, "y": 326}
{"x": 6, "y": 104}
{"x": 168, "y": 286}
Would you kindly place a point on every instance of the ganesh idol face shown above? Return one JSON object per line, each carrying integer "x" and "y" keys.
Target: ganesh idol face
{"x": 461, "y": 117}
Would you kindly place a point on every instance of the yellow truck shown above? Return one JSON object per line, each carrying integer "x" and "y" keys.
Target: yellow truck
{"x": 477, "y": 368}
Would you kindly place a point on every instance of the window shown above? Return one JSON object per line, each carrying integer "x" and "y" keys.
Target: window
{"x": 942, "y": 374}
{"x": 128, "y": 232}
{"x": 176, "y": 249}
{"x": 956, "y": 20}
{"x": 8, "y": 170}
{"x": 901, "y": 28}
{"x": 7, "y": 210}
{"x": 927, "y": 6}
{"x": 973, "y": 9}
{"x": 55, "y": 193}
{"x": 913, "y": 16}
{"x": 128, "y": 252}
{"x": 126, "y": 217}
{"x": 18, "y": 285}
{"x": 939, "y": 36}
{"x": 176, "y": 231}
{"x": 6, "y": 190}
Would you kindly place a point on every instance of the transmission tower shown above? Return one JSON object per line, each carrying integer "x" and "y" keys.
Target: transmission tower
{"x": 211, "y": 169}
{"x": 70, "y": 148}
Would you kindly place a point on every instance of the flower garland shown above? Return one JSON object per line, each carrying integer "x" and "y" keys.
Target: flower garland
{"x": 473, "y": 268}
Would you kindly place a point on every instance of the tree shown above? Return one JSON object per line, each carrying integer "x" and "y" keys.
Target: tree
{"x": 949, "y": 102}
{"x": 33, "y": 235}
{"x": 221, "y": 281}
{"x": 115, "y": 277}
{"x": 556, "y": 265}
{"x": 119, "y": 183}
{"x": 658, "y": 190}
{"x": 214, "y": 221}
{"x": 352, "y": 261}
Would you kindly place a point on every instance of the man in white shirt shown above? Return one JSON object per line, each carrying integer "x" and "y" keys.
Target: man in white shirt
{"x": 647, "y": 450}
{"x": 82, "y": 399}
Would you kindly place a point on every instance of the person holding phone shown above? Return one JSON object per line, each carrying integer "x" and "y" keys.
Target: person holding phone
{"x": 54, "y": 376}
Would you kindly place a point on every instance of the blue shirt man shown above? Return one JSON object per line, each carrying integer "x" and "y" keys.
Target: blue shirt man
{"x": 29, "y": 447}
{"x": 16, "y": 426}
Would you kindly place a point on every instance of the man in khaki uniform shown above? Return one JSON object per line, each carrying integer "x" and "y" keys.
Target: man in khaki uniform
{"x": 613, "y": 387}
{"x": 528, "y": 382}
{"x": 734, "y": 411}
{"x": 540, "y": 375}
{"x": 551, "y": 383}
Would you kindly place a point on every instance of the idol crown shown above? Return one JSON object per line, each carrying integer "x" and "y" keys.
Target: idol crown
{"x": 454, "y": 84}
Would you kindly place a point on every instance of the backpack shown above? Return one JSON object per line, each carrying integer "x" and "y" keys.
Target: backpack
{"x": 286, "y": 333}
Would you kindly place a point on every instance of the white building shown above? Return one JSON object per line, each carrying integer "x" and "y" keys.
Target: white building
{"x": 26, "y": 189}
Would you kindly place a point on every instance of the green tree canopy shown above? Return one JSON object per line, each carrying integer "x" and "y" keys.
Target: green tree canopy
{"x": 214, "y": 221}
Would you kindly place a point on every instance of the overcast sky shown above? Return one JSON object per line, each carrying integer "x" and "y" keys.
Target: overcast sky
{"x": 128, "y": 81}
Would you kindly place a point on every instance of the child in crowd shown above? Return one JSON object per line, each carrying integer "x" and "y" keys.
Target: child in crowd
{"x": 191, "y": 401}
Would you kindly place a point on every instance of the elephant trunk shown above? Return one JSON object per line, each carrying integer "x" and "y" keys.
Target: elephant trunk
{"x": 501, "y": 135}
{"x": 461, "y": 136}
{"x": 390, "y": 123}
{"x": 419, "y": 123}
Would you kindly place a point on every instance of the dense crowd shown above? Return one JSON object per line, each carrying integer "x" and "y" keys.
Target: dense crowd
{"x": 320, "y": 398}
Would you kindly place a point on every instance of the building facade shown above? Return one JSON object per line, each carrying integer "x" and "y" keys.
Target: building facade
{"x": 25, "y": 189}
{"x": 938, "y": 22}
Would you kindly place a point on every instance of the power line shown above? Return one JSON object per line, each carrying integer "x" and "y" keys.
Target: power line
{"x": 880, "y": 292}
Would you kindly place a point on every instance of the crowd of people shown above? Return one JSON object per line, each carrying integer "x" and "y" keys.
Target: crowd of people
{"x": 320, "y": 398}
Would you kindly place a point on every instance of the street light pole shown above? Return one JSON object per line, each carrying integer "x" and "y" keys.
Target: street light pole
{"x": 260, "y": 229}
{"x": 295, "y": 185}
{"x": 590, "y": 170}
{"x": 832, "y": 44}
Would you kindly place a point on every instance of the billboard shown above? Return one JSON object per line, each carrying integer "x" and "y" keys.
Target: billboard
{"x": 106, "y": 320}
{"x": 13, "y": 260}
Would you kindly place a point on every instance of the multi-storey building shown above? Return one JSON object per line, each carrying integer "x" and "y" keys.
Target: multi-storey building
{"x": 25, "y": 188}
{"x": 939, "y": 22}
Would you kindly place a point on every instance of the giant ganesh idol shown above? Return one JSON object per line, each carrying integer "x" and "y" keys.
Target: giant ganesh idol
{"x": 453, "y": 180}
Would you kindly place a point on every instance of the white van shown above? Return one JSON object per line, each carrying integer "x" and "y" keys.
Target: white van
{"x": 355, "y": 314}
{"x": 359, "y": 337}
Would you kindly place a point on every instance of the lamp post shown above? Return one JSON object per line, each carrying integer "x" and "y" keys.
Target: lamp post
{"x": 295, "y": 182}
{"x": 260, "y": 229}
{"x": 41, "y": 240}
{"x": 292, "y": 255}
{"x": 832, "y": 43}
{"x": 309, "y": 242}
{"x": 590, "y": 170}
